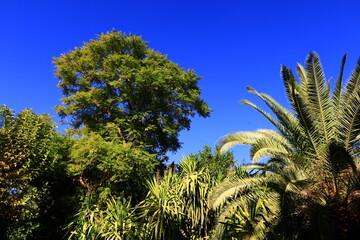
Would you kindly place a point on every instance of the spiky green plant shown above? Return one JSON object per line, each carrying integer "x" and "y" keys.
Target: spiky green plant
{"x": 161, "y": 209}
{"x": 118, "y": 221}
{"x": 196, "y": 184}
{"x": 85, "y": 224}
{"x": 177, "y": 206}
{"x": 312, "y": 168}
{"x": 114, "y": 221}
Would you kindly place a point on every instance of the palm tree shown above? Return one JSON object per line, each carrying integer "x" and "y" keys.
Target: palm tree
{"x": 311, "y": 175}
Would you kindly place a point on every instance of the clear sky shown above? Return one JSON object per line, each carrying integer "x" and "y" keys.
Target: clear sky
{"x": 231, "y": 44}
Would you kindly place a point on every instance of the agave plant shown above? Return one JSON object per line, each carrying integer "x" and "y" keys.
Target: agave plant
{"x": 312, "y": 168}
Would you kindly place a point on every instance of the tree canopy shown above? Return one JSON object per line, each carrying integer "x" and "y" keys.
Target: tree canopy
{"x": 118, "y": 80}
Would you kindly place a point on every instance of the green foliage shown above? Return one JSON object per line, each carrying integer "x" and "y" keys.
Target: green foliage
{"x": 161, "y": 209}
{"x": 119, "y": 221}
{"x": 246, "y": 208}
{"x": 216, "y": 164}
{"x": 62, "y": 195}
{"x": 312, "y": 175}
{"x": 114, "y": 221}
{"x": 177, "y": 206}
{"x": 24, "y": 140}
{"x": 110, "y": 165}
{"x": 127, "y": 105}
{"x": 24, "y": 154}
{"x": 196, "y": 184}
{"x": 251, "y": 218}
{"x": 117, "y": 79}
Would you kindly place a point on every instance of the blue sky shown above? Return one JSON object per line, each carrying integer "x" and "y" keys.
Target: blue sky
{"x": 231, "y": 44}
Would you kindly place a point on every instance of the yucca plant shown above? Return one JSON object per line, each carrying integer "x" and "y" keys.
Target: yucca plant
{"x": 196, "y": 184}
{"x": 85, "y": 224}
{"x": 118, "y": 221}
{"x": 160, "y": 211}
{"x": 312, "y": 163}
{"x": 113, "y": 221}
{"x": 177, "y": 206}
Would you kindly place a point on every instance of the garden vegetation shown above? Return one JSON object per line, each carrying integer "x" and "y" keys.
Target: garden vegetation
{"x": 108, "y": 177}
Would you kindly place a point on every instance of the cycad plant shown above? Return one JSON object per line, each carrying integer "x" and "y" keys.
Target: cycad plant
{"x": 312, "y": 170}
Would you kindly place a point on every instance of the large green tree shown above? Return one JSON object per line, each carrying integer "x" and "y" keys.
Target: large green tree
{"x": 118, "y": 80}
{"x": 311, "y": 179}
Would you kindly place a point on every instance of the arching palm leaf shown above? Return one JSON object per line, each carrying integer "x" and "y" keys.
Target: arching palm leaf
{"x": 312, "y": 160}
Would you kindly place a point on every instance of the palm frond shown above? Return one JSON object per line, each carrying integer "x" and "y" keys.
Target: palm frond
{"x": 353, "y": 83}
{"x": 313, "y": 159}
{"x": 290, "y": 126}
{"x": 294, "y": 179}
{"x": 232, "y": 187}
{"x": 290, "y": 82}
{"x": 349, "y": 121}
{"x": 349, "y": 113}
{"x": 338, "y": 86}
{"x": 319, "y": 97}
{"x": 306, "y": 122}
{"x": 303, "y": 87}
{"x": 272, "y": 145}
{"x": 250, "y": 216}
{"x": 265, "y": 114}
{"x": 238, "y": 138}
